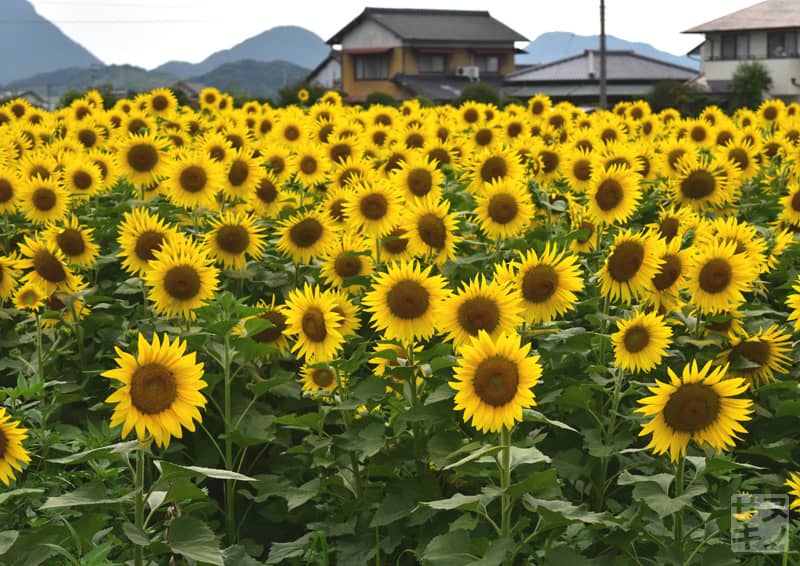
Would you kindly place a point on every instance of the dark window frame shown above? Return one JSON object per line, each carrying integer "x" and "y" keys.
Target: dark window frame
{"x": 482, "y": 62}
{"x": 734, "y": 46}
{"x": 372, "y": 66}
{"x": 782, "y": 44}
{"x": 431, "y": 69}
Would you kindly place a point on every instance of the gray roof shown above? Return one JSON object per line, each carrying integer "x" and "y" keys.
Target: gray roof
{"x": 620, "y": 66}
{"x": 765, "y": 15}
{"x": 435, "y": 25}
{"x": 439, "y": 87}
{"x": 562, "y": 90}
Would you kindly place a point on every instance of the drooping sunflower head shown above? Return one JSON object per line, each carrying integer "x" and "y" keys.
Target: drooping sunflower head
{"x": 493, "y": 381}
{"x": 12, "y": 453}
{"x": 161, "y": 390}
{"x": 758, "y": 357}
{"x": 698, "y": 405}
{"x": 233, "y": 237}
{"x": 275, "y": 333}
{"x": 641, "y": 342}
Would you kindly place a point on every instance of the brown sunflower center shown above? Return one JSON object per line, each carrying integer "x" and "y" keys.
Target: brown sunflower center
{"x": 322, "y": 377}
{"x": 674, "y": 156}
{"x": 503, "y": 208}
{"x": 770, "y": 112}
{"x": 160, "y": 103}
{"x": 233, "y": 239}
{"x": 715, "y": 276}
{"x": 609, "y": 194}
{"x": 582, "y": 169}
{"x": 3, "y": 443}
{"x": 494, "y": 168}
{"x": 415, "y": 140}
{"x": 513, "y": 129}
{"x": 471, "y": 116}
{"x": 478, "y": 313}
{"x": 340, "y": 152}
{"x": 308, "y": 165}
{"x": 698, "y": 133}
{"x": 306, "y": 233}
{"x": 537, "y": 107}
{"x": 754, "y": 351}
{"x": 71, "y": 242}
{"x": 147, "y": 244}
{"x": 669, "y": 227}
{"x": 496, "y": 380}
{"x": 347, "y": 266}
{"x": 239, "y": 172}
{"x": 182, "y": 282}
{"x": 796, "y": 202}
{"x": 277, "y": 164}
{"x": 82, "y": 180}
{"x": 313, "y": 324}
{"x": 636, "y": 339}
{"x": 266, "y": 191}
{"x": 271, "y": 334}
{"x": 49, "y": 267}
{"x": 394, "y": 243}
{"x": 136, "y": 125}
{"x": 669, "y": 273}
{"x": 483, "y": 137}
{"x": 698, "y": 184}
{"x": 374, "y": 206}
{"x": 291, "y": 132}
{"x": 539, "y": 283}
{"x": 193, "y": 179}
{"x": 440, "y": 155}
{"x": 420, "y": 181}
{"x": 585, "y": 225}
{"x": 153, "y": 389}
{"x": 432, "y": 231}
{"x": 408, "y": 299}
{"x": 54, "y": 303}
{"x": 217, "y": 153}
{"x": 39, "y": 171}
{"x": 142, "y": 157}
{"x": 625, "y": 261}
{"x": 550, "y": 161}
{"x": 44, "y": 199}
{"x": 6, "y": 191}
{"x": 739, "y": 157}
{"x": 336, "y": 210}
{"x": 692, "y": 407}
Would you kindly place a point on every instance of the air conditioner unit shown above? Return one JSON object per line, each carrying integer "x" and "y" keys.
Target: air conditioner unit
{"x": 471, "y": 71}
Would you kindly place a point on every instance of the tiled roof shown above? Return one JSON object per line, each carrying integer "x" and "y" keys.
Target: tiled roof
{"x": 770, "y": 14}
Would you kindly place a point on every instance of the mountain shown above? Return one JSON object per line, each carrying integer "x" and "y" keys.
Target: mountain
{"x": 283, "y": 43}
{"x": 254, "y": 78}
{"x": 120, "y": 77}
{"x": 31, "y": 44}
{"x": 559, "y": 44}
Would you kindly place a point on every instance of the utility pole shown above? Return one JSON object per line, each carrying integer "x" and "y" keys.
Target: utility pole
{"x": 603, "y": 86}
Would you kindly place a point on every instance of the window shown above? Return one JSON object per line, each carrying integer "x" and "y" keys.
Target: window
{"x": 488, "y": 63}
{"x": 735, "y": 46}
{"x": 371, "y": 67}
{"x": 428, "y": 63}
{"x": 781, "y": 44}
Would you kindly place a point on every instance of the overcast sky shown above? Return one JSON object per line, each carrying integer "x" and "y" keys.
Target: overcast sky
{"x": 150, "y": 32}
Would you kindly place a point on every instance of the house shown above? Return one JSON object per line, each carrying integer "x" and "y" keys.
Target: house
{"x": 328, "y": 74}
{"x": 766, "y": 32}
{"x": 190, "y": 89}
{"x": 629, "y": 75}
{"x": 432, "y": 53}
{"x": 31, "y": 97}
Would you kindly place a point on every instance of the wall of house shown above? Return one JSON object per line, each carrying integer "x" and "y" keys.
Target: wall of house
{"x": 369, "y": 34}
{"x": 358, "y": 90}
{"x": 330, "y": 75}
{"x": 781, "y": 70}
{"x": 462, "y": 57}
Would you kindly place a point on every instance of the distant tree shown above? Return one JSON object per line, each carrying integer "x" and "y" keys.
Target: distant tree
{"x": 750, "y": 81}
{"x": 289, "y": 94}
{"x": 479, "y": 92}
{"x": 683, "y": 97}
{"x": 378, "y": 97}
{"x": 109, "y": 99}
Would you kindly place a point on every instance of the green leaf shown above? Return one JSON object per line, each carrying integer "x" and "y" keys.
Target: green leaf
{"x": 7, "y": 540}
{"x": 194, "y": 539}
{"x": 89, "y": 494}
{"x": 297, "y": 496}
{"x": 394, "y": 506}
{"x": 562, "y": 508}
{"x": 474, "y": 456}
{"x": 496, "y": 553}
{"x": 280, "y": 551}
{"x": 448, "y": 550}
{"x": 17, "y": 492}
{"x": 665, "y": 505}
{"x": 530, "y": 455}
{"x": 168, "y": 468}
{"x": 98, "y": 453}
{"x": 136, "y": 535}
{"x": 662, "y": 480}
{"x": 237, "y": 556}
{"x": 457, "y": 501}
{"x": 565, "y": 555}
{"x": 183, "y": 490}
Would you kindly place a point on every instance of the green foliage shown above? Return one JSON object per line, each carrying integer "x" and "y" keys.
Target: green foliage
{"x": 681, "y": 96}
{"x": 109, "y": 98}
{"x": 288, "y": 94}
{"x": 478, "y": 92}
{"x": 380, "y": 98}
{"x": 750, "y": 82}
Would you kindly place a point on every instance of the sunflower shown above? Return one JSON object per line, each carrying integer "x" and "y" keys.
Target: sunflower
{"x": 192, "y": 181}
{"x": 273, "y": 336}
{"x": 38, "y": 164}
{"x": 349, "y": 322}
{"x": 794, "y": 483}
{"x": 216, "y": 147}
{"x": 746, "y": 237}
{"x": 613, "y": 195}
{"x": 142, "y": 158}
{"x": 232, "y": 237}
{"x": 547, "y": 283}
{"x": 703, "y": 182}
{"x": 12, "y": 453}
{"x": 9, "y": 272}
{"x": 698, "y": 405}
{"x": 417, "y": 178}
{"x": 290, "y": 129}
{"x": 75, "y": 241}
{"x": 266, "y": 197}
{"x": 671, "y": 277}
{"x": 161, "y": 390}
{"x": 30, "y": 297}
{"x": 790, "y": 213}
{"x": 311, "y": 315}
{"x": 47, "y": 265}
{"x": 586, "y": 238}
{"x": 81, "y": 178}
{"x": 348, "y": 259}
{"x": 141, "y": 235}
{"x": 108, "y": 166}
{"x": 242, "y": 175}
{"x": 43, "y": 201}
{"x": 577, "y": 168}
{"x": 65, "y": 307}
{"x": 504, "y": 209}
{"x": 631, "y": 265}
{"x": 406, "y": 301}
{"x": 10, "y": 184}
{"x": 180, "y": 277}
{"x": 306, "y": 235}
{"x": 318, "y": 378}
{"x": 431, "y": 229}
{"x": 641, "y": 342}
{"x": 394, "y": 247}
{"x": 765, "y": 353}
{"x": 718, "y": 276}
{"x": 493, "y": 381}
{"x": 276, "y": 159}
{"x": 672, "y": 152}
{"x": 310, "y": 165}
{"x": 373, "y": 208}
{"x": 492, "y": 164}
{"x": 674, "y": 222}
{"x": 480, "y": 306}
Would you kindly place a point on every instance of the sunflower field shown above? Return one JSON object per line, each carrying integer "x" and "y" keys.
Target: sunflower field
{"x": 328, "y": 334}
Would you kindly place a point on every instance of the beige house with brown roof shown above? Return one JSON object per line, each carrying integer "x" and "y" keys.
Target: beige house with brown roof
{"x": 767, "y": 32}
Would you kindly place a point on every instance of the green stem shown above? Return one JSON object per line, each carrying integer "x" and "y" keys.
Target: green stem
{"x": 39, "y": 349}
{"x": 600, "y": 487}
{"x": 505, "y": 482}
{"x": 230, "y": 485}
{"x": 677, "y": 517}
{"x": 377, "y": 254}
{"x": 138, "y": 550}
